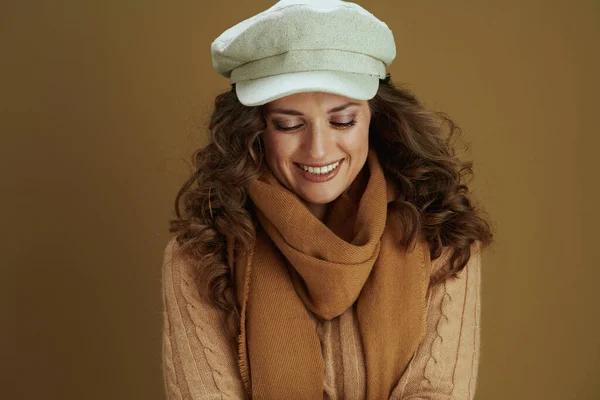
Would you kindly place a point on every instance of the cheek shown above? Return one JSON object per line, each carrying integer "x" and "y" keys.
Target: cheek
{"x": 357, "y": 141}
{"x": 278, "y": 147}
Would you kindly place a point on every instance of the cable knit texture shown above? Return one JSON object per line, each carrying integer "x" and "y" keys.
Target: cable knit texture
{"x": 199, "y": 363}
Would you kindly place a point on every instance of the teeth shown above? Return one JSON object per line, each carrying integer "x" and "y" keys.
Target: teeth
{"x": 321, "y": 170}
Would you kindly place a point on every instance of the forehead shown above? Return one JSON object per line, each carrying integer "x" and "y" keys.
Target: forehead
{"x": 311, "y": 101}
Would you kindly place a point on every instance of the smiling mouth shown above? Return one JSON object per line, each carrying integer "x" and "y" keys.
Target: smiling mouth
{"x": 320, "y": 174}
{"x": 321, "y": 169}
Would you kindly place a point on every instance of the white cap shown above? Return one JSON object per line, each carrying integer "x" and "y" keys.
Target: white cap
{"x": 305, "y": 46}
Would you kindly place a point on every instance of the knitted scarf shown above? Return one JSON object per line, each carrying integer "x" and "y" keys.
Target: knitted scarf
{"x": 301, "y": 264}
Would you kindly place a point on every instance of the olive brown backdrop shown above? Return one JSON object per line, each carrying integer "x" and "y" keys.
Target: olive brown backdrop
{"x": 102, "y": 104}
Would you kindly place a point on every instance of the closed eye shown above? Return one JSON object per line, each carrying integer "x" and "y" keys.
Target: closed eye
{"x": 337, "y": 125}
{"x": 344, "y": 124}
{"x": 287, "y": 128}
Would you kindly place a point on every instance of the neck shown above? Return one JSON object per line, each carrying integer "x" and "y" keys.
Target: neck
{"x": 318, "y": 210}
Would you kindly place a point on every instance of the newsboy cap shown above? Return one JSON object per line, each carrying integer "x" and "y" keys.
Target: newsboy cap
{"x": 304, "y": 46}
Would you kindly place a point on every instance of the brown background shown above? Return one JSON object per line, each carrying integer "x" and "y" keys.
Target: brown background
{"x": 103, "y": 102}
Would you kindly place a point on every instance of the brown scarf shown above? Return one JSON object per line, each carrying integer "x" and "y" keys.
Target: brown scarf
{"x": 300, "y": 263}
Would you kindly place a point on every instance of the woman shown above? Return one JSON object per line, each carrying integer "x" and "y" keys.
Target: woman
{"x": 329, "y": 248}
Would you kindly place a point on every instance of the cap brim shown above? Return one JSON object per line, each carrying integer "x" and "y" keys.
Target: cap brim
{"x": 263, "y": 90}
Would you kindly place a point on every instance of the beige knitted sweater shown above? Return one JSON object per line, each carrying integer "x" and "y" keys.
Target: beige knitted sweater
{"x": 198, "y": 362}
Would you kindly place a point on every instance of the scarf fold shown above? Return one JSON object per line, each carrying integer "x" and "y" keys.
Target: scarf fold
{"x": 300, "y": 264}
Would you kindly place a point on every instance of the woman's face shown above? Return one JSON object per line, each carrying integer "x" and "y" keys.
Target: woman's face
{"x": 306, "y": 130}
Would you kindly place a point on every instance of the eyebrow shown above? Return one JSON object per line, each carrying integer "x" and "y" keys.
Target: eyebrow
{"x": 295, "y": 112}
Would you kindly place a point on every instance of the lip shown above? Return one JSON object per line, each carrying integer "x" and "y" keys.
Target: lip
{"x": 319, "y": 178}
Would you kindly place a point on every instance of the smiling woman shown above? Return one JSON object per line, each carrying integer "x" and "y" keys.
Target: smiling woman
{"x": 312, "y": 138}
{"x": 326, "y": 246}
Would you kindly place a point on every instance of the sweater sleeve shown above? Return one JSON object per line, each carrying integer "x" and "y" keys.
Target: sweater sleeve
{"x": 445, "y": 364}
{"x": 197, "y": 360}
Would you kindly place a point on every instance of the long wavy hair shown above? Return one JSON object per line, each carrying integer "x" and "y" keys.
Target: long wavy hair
{"x": 414, "y": 145}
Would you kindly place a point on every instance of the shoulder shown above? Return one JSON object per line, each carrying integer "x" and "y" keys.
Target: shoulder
{"x": 181, "y": 290}
{"x": 179, "y": 276}
{"x": 181, "y": 281}
{"x": 442, "y": 262}
{"x": 171, "y": 249}
{"x": 174, "y": 260}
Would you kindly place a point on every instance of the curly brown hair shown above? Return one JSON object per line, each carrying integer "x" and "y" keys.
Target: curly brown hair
{"x": 414, "y": 145}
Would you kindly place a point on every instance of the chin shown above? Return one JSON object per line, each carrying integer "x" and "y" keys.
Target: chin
{"x": 323, "y": 197}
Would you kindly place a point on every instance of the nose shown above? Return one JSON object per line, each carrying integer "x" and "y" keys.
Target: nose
{"x": 317, "y": 142}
